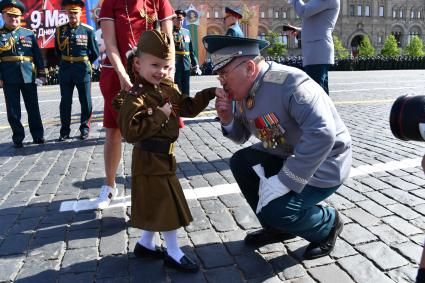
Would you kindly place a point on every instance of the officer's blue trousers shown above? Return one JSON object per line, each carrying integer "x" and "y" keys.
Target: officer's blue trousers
{"x": 296, "y": 213}
{"x": 67, "y": 89}
{"x": 13, "y": 106}
{"x": 182, "y": 79}
{"x": 319, "y": 73}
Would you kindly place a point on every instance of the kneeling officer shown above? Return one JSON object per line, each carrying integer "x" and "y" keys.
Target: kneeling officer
{"x": 19, "y": 53}
{"x": 76, "y": 45}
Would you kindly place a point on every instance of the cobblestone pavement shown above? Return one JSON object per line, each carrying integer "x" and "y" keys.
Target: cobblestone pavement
{"x": 383, "y": 206}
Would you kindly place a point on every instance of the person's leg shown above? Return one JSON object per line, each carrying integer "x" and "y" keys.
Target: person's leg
{"x": 65, "y": 107}
{"x": 420, "y": 277}
{"x": 12, "y": 97}
{"x": 112, "y": 155}
{"x": 29, "y": 93}
{"x": 145, "y": 246}
{"x": 178, "y": 79}
{"x": 186, "y": 82}
{"x": 319, "y": 73}
{"x": 84, "y": 95}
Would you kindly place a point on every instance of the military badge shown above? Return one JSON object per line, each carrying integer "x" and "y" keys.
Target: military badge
{"x": 150, "y": 111}
{"x": 250, "y": 102}
{"x": 270, "y": 132}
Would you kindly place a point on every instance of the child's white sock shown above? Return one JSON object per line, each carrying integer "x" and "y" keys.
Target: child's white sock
{"x": 147, "y": 239}
{"x": 173, "y": 248}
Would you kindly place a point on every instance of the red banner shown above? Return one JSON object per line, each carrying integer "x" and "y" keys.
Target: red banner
{"x": 42, "y": 17}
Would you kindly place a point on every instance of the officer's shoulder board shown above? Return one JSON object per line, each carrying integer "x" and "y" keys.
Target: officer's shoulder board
{"x": 275, "y": 76}
{"x": 87, "y": 26}
{"x": 27, "y": 30}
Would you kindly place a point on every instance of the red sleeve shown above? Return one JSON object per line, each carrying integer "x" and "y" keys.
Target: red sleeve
{"x": 165, "y": 10}
{"x": 107, "y": 10}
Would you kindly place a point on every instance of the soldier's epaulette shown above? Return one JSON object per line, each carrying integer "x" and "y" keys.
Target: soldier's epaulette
{"x": 27, "y": 29}
{"x": 61, "y": 25}
{"x": 277, "y": 77}
{"x": 87, "y": 26}
{"x": 136, "y": 90}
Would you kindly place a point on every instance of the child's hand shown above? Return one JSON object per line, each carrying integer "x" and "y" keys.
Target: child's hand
{"x": 167, "y": 108}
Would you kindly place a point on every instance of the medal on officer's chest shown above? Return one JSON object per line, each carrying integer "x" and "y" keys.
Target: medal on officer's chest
{"x": 250, "y": 102}
{"x": 270, "y": 132}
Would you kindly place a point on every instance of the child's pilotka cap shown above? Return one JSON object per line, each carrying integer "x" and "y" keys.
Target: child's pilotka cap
{"x": 156, "y": 43}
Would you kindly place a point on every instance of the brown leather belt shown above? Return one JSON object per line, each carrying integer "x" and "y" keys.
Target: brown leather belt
{"x": 156, "y": 146}
{"x": 15, "y": 58}
{"x": 75, "y": 58}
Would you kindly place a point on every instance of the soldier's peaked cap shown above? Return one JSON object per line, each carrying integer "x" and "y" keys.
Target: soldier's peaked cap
{"x": 13, "y": 7}
{"x": 156, "y": 43}
{"x": 236, "y": 12}
{"x": 224, "y": 49}
{"x": 180, "y": 12}
{"x": 73, "y": 5}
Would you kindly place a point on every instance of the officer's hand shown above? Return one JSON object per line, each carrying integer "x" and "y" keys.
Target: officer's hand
{"x": 41, "y": 81}
{"x": 223, "y": 106}
{"x": 167, "y": 108}
{"x": 198, "y": 70}
{"x": 125, "y": 82}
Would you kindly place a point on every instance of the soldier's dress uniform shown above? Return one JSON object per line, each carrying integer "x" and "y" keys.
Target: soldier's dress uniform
{"x": 77, "y": 49}
{"x": 185, "y": 58}
{"x": 20, "y": 64}
{"x": 302, "y": 140}
{"x": 235, "y": 29}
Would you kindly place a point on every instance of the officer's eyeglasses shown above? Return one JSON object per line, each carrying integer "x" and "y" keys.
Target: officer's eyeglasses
{"x": 224, "y": 75}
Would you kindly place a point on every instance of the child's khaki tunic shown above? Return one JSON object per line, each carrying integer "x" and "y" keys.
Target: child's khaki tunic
{"x": 157, "y": 199}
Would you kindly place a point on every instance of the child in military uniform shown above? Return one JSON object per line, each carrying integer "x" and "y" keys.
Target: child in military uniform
{"x": 148, "y": 117}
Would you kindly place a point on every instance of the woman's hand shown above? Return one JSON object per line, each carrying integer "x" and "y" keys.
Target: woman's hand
{"x": 125, "y": 82}
{"x": 167, "y": 108}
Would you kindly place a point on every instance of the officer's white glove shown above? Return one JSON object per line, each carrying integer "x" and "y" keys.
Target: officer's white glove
{"x": 198, "y": 70}
{"x": 269, "y": 188}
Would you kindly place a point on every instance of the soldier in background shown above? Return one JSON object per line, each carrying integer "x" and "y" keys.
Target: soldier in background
{"x": 19, "y": 53}
{"x": 185, "y": 56}
{"x": 76, "y": 45}
{"x": 231, "y": 21}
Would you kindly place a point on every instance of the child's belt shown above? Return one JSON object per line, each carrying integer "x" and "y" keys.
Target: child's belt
{"x": 156, "y": 146}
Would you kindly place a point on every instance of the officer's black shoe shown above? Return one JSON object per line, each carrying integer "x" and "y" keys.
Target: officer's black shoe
{"x": 141, "y": 251}
{"x": 17, "y": 144}
{"x": 266, "y": 236}
{"x": 84, "y": 136}
{"x": 316, "y": 250}
{"x": 63, "y": 137}
{"x": 39, "y": 141}
{"x": 186, "y": 264}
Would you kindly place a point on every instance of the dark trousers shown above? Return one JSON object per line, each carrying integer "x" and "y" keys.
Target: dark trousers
{"x": 67, "y": 89}
{"x": 13, "y": 106}
{"x": 296, "y": 213}
{"x": 319, "y": 73}
{"x": 182, "y": 79}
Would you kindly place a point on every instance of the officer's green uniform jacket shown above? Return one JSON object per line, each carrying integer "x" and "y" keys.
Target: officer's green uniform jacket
{"x": 185, "y": 57}
{"x": 157, "y": 199}
{"x": 20, "y": 56}
{"x": 77, "y": 48}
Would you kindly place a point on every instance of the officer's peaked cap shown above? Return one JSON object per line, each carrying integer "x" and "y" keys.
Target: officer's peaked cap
{"x": 73, "y": 5}
{"x": 224, "y": 49}
{"x": 13, "y": 7}
{"x": 156, "y": 43}
{"x": 180, "y": 12}
{"x": 236, "y": 12}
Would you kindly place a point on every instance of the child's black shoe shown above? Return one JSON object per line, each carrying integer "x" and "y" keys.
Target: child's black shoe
{"x": 141, "y": 251}
{"x": 186, "y": 264}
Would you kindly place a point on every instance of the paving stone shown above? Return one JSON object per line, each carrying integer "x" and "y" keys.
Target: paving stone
{"x": 382, "y": 255}
{"x": 200, "y": 221}
{"x": 420, "y": 208}
{"x": 78, "y": 239}
{"x": 362, "y": 217}
{"x": 387, "y": 234}
{"x": 76, "y": 278}
{"x": 399, "y": 183}
{"x": 213, "y": 256}
{"x": 414, "y": 180}
{"x": 36, "y": 270}
{"x": 182, "y": 277}
{"x": 356, "y": 234}
{"x": 419, "y": 222}
{"x": 9, "y": 267}
{"x": 330, "y": 273}
{"x": 148, "y": 270}
{"x": 403, "y": 211}
{"x": 403, "y": 197}
{"x": 409, "y": 250}
{"x": 350, "y": 194}
{"x": 233, "y": 200}
{"x": 79, "y": 260}
{"x": 253, "y": 266}
{"x": 224, "y": 274}
{"x": 418, "y": 239}
{"x": 286, "y": 266}
{"x": 374, "y": 183}
{"x": 298, "y": 248}
{"x": 204, "y": 237}
{"x": 373, "y": 208}
{"x": 271, "y": 248}
{"x": 234, "y": 242}
{"x": 222, "y": 221}
{"x": 45, "y": 249}
{"x": 379, "y": 198}
{"x": 113, "y": 280}
{"x": 305, "y": 279}
{"x": 339, "y": 202}
{"x": 113, "y": 244}
{"x": 212, "y": 206}
{"x": 6, "y": 222}
{"x": 245, "y": 217}
{"x": 362, "y": 270}
{"x": 420, "y": 193}
{"x": 17, "y": 244}
{"x": 342, "y": 249}
{"x": 404, "y": 274}
{"x": 113, "y": 266}
{"x": 402, "y": 225}
{"x": 24, "y": 226}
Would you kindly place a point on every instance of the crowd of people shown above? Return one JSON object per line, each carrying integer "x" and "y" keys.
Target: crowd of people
{"x": 304, "y": 150}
